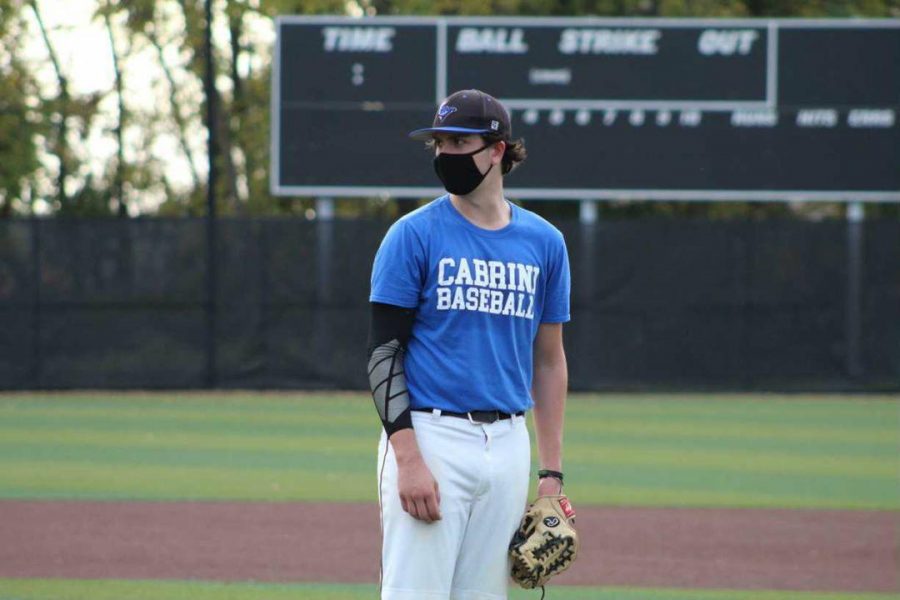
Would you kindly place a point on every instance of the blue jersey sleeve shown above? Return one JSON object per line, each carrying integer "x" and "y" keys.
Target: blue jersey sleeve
{"x": 556, "y": 299}
{"x": 398, "y": 274}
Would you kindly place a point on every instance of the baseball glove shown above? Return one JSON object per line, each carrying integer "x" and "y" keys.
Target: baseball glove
{"x": 546, "y": 542}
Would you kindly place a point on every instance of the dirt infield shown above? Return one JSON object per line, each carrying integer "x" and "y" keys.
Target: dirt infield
{"x": 715, "y": 548}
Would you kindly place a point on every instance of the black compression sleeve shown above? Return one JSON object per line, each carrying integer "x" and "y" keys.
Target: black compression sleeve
{"x": 388, "y": 323}
{"x": 389, "y": 332}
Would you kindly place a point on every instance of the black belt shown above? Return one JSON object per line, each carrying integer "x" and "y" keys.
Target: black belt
{"x": 475, "y": 416}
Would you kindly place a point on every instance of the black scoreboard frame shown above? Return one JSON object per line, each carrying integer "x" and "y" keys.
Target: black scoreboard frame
{"x": 759, "y": 99}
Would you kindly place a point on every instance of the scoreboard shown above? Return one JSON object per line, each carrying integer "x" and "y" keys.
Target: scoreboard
{"x": 668, "y": 109}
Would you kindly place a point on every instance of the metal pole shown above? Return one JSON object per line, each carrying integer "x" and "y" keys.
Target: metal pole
{"x": 212, "y": 148}
{"x": 322, "y": 316}
{"x": 587, "y": 212}
{"x": 37, "y": 350}
{"x": 855, "y": 216}
{"x": 585, "y": 296}
{"x": 325, "y": 209}
{"x": 324, "y": 247}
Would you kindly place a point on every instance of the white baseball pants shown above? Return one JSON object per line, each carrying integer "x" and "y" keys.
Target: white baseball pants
{"x": 482, "y": 473}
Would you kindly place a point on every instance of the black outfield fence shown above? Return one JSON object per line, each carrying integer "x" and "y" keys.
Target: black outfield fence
{"x": 657, "y": 304}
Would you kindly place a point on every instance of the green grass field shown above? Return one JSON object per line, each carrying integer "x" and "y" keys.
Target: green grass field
{"x": 711, "y": 451}
{"x": 637, "y": 450}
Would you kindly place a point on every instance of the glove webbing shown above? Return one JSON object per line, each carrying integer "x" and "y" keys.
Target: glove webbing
{"x": 563, "y": 546}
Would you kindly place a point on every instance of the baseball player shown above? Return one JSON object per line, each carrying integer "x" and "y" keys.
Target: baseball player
{"x": 468, "y": 298}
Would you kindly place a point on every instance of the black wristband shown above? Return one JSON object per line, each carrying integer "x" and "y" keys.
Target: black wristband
{"x": 543, "y": 473}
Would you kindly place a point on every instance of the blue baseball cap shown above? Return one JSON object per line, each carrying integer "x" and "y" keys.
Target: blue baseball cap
{"x": 468, "y": 111}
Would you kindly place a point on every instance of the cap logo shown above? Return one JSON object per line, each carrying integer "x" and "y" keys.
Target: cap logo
{"x": 446, "y": 110}
{"x": 495, "y": 125}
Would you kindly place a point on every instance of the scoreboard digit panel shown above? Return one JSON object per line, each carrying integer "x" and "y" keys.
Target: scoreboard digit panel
{"x": 336, "y": 62}
{"x": 368, "y": 148}
{"x": 839, "y": 67}
{"x": 657, "y": 154}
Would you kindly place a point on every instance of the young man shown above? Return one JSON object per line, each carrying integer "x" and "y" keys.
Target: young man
{"x": 469, "y": 294}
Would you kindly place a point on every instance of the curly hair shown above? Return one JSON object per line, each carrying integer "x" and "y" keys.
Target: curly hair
{"x": 514, "y": 154}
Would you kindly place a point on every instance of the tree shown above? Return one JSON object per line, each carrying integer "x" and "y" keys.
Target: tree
{"x": 46, "y": 163}
{"x": 20, "y": 124}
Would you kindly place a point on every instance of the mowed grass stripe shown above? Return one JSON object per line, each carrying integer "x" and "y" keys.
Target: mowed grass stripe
{"x": 666, "y": 494}
{"x": 67, "y": 443}
{"x": 215, "y": 400}
{"x": 316, "y": 413}
{"x": 760, "y": 402}
{"x": 70, "y": 589}
{"x": 661, "y": 486}
{"x": 234, "y": 451}
{"x": 775, "y": 463}
{"x": 577, "y": 428}
{"x": 304, "y": 482}
{"x": 165, "y": 404}
{"x": 743, "y": 403}
{"x": 67, "y": 439}
{"x": 856, "y": 455}
{"x": 660, "y": 461}
{"x": 710, "y": 445}
{"x": 323, "y": 414}
{"x": 142, "y": 434}
{"x": 245, "y": 476}
{"x": 110, "y": 420}
{"x": 742, "y": 406}
{"x": 693, "y": 405}
{"x": 235, "y": 459}
{"x": 837, "y": 431}
{"x": 857, "y": 412}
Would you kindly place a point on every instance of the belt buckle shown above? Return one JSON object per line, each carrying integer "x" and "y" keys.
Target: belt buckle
{"x": 489, "y": 416}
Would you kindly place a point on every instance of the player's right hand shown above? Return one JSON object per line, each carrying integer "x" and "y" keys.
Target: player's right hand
{"x": 419, "y": 493}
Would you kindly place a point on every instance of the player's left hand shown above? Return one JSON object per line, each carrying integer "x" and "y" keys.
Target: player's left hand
{"x": 549, "y": 486}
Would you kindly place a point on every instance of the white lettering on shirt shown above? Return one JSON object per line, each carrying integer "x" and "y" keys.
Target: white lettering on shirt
{"x": 443, "y": 298}
{"x": 463, "y": 276}
{"x": 481, "y": 272}
{"x": 487, "y": 286}
{"x": 497, "y": 275}
{"x": 445, "y": 262}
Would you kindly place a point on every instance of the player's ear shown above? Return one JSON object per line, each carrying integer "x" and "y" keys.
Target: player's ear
{"x": 497, "y": 151}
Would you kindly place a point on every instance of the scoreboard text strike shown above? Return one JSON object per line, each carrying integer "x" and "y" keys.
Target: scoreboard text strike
{"x": 682, "y": 109}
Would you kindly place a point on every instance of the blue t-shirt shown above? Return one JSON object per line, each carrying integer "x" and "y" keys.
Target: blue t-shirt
{"x": 480, "y": 296}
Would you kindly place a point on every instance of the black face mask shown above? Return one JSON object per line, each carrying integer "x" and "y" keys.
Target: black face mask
{"x": 458, "y": 172}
